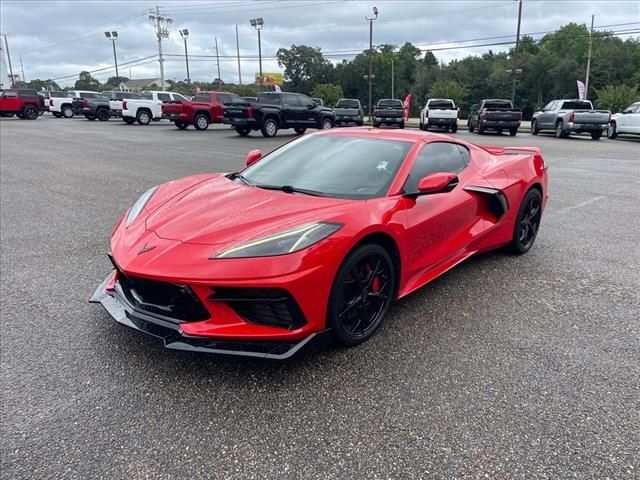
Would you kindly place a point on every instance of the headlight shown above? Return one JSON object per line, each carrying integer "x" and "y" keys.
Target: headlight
{"x": 139, "y": 205}
{"x": 288, "y": 241}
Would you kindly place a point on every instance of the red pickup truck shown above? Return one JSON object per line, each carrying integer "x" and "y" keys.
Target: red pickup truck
{"x": 23, "y": 103}
{"x": 205, "y": 108}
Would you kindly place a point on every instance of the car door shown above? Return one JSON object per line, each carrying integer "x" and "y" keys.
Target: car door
{"x": 292, "y": 112}
{"x": 439, "y": 224}
{"x": 309, "y": 110}
{"x": 546, "y": 118}
{"x": 10, "y": 102}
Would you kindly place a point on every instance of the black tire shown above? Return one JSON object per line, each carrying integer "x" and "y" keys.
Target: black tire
{"x": 243, "y": 131}
{"x": 67, "y": 111}
{"x": 326, "y": 124}
{"x": 480, "y": 130}
{"x": 103, "y": 114}
{"x": 362, "y": 292}
{"x": 611, "y": 132}
{"x": 181, "y": 125}
{"x": 527, "y": 223}
{"x": 269, "y": 128}
{"x": 376, "y": 125}
{"x": 90, "y": 117}
{"x": 513, "y": 132}
{"x": 129, "y": 120}
{"x": 401, "y": 125}
{"x": 143, "y": 117}
{"x": 534, "y": 127}
{"x": 57, "y": 114}
{"x": 359, "y": 123}
{"x": 595, "y": 135}
{"x": 300, "y": 130}
{"x": 201, "y": 121}
{"x": 470, "y": 126}
{"x": 454, "y": 128}
{"x": 30, "y": 112}
{"x": 560, "y": 133}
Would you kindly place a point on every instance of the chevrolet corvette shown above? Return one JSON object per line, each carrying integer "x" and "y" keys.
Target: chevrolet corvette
{"x": 315, "y": 239}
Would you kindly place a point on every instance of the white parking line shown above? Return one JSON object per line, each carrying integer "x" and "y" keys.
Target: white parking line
{"x": 582, "y": 204}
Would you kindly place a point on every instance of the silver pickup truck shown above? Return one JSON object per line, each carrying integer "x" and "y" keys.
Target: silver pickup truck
{"x": 571, "y": 116}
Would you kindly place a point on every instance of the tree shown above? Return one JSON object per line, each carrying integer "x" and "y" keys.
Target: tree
{"x": 113, "y": 83}
{"x": 328, "y": 92}
{"x": 304, "y": 67}
{"x": 40, "y": 85}
{"x": 86, "y": 82}
{"x": 449, "y": 89}
{"x": 616, "y": 98}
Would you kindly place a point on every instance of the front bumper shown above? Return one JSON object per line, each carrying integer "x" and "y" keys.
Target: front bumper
{"x": 110, "y": 295}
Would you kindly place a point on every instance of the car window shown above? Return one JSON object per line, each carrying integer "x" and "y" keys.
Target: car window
{"x": 269, "y": 99}
{"x": 89, "y": 95}
{"x": 146, "y": 96}
{"x": 178, "y": 97}
{"x": 436, "y": 157}
{"x": 316, "y": 162}
{"x": 28, "y": 94}
{"x": 9, "y": 94}
{"x": 307, "y": 101}
{"x": 291, "y": 100}
{"x": 203, "y": 97}
{"x": 164, "y": 97}
{"x": 548, "y": 106}
{"x": 346, "y": 103}
{"x": 231, "y": 99}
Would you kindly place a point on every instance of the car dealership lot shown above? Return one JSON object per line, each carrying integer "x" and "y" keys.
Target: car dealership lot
{"x": 510, "y": 366}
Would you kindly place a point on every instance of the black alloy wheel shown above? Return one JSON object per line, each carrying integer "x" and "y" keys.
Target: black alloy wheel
{"x": 30, "y": 112}
{"x": 103, "y": 114}
{"x": 527, "y": 222}
{"x": 361, "y": 294}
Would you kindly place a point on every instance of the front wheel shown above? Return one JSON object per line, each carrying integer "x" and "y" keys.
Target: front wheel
{"x": 299, "y": 130}
{"x": 30, "y": 113}
{"x": 362, "y": 292}
{"x": 612, "y": 133}
{"x": 527, "y": 222}
{"x": 596, "y": 135}
{"x": 201, "y": 122}
{"x": 269, "y": 128}
{"x": 560, "y": 130}
{"x": 143, "y": 117}
{"x": 326, "y": 124}
{"x": 534, "y": 127}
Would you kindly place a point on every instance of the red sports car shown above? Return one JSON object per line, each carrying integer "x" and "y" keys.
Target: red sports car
{"x": 319, "y": 236}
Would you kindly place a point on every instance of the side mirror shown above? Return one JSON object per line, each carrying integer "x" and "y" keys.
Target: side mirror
{"x": 253, "y": 156}
{"x": 311, "y": 106}
{"x": 438, "y": 182}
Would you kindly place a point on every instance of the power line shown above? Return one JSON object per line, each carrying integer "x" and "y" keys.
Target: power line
{"x": 130, "y": 63}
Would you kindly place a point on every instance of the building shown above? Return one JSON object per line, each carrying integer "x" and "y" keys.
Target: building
{"x": 139, "y": 84}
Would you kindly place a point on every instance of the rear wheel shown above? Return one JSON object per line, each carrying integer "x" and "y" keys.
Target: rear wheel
{"x": 480, "y": 130}
{"x": 534, "y": 127}
{"x": 67, "y": 111}
{"x": 103, "y": 114}
{"x": 143, "y": 117}
{"x": 527, "y": 222}
{"x": 243, "y": 131}
{"x": 596, "y": 135}
{"x": 560, "y": 130}
{"x": 470, "y": 126}
{"x": 201, "y": 121}
{"x": 454, "y": 128}
{"x": 269, "y": 128}
{"x": 128, "y": 120}
{"x": 361, "y": 294}
{"x": 612, "y": 133}
{"x": 181, "y": 125}
{"x": 401, "y": 124}
{"x": 30, "y": 112}
{"x": 300, "y": 130}
{"x": 513, "y": 132}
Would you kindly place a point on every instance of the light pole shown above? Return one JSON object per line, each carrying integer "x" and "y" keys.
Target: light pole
{"x": 113, "y": 36}
{"x": 393, "y": 80}
{"x": 371, "y": 20}
{"x": 184, "y": 33}
{"x": 514, "y": 68}
{"x": 258, "y": 23}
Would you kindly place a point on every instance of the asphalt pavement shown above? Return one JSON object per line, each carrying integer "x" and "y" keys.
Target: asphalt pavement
{"x": 505, "y": 367}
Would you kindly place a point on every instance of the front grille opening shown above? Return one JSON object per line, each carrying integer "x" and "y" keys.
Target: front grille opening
{"x": 274, "y": 307}
{"x": 170, "y": 300}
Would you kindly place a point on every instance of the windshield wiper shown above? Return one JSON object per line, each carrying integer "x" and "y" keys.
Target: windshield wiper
{"x": 238, "y": 176}
{"x": 292, "y": 189}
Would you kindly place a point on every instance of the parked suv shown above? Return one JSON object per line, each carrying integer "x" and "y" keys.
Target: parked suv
{"x": 206, "y": 108}
{"x": 23, "y": 103}
{"x": 494, "y": 114}
{"x": 571, "y": 116}
{"x": 627, "y": 121}
{"x": 274, "y": 111}
{"x": 440, "y": 113}
{"x": 389, "y": 111}
{"x": 349, "y": 110}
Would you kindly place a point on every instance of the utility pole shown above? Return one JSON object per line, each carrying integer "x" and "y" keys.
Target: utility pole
{"x": 586, "y": 83}
{"x": 6, "y": 44}
{"x": 24, "y": 79}
{"x": 238, "y": 53}
{"x": 218, "y": 63}
{"x": 514, "y": 67}
{"x": 369, "y": 77}
{"x": 258, "y": 24}
{"x": 113, "y": 36}
{"x": 393, "y": 79}
{"x": 184, "y": 33}
{"x": 162, "y": 31}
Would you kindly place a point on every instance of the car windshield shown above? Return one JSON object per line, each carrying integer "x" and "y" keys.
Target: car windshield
{"x": 577, "y": 105}
{"x": 347, "y": 104}
{"x": 332, "y": 165}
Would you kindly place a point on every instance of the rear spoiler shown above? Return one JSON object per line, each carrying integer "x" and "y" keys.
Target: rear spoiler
{"x": 533, "y": 151}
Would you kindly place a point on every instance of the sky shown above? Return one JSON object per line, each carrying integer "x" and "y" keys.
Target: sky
{"x": 58, "y": 39}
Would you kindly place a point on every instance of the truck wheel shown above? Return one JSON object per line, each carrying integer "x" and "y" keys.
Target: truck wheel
{"x": 611, "y": 133}
{"x": 534, "y": 127}
{"x": 269, "y": 128}
{"x": 470, "y": 126}
{"x": 57, "y": 114}
{"x": 30, "y": 112}
{"x": 560, "y": 130}
{"x": 596, "y": 135}
{"x": 401, "y": 124}
{"x": 454, "y": 128}
{"x": 102, "y": 114}
{"x": 326, "y": 123}
{"x": 181, "y": 125}
{"x": 143, "y": 117}
{"x": 243, "y": 131}
{"x": 201, "y": 121}
{"x": 67, "y": 111}
{"x": 300, "y": 130}
{"x": 128, "y": 120}
{"x": 376, "y": 125}
{"x": 359, "y": 123}
{"x": 513, "y": 132}
{"x": 480, "y": 130}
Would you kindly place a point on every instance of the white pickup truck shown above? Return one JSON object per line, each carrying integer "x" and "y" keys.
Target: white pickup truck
{"x": 440, "y": 113}
{"x": 59, "y": 104}
{"x": 148, "y": 107}
{"x": 627, "y": 121}
{"x": 115, "y": 101}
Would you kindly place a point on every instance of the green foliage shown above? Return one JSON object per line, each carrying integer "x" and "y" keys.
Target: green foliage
{"x": 39, "y": 85}
{"x": 329, "y": 92}
{"x": 86, "y": 82}
{"x": 113, "y": 83}
{"x": 449, "y": 89}
{"x": 304, "y": 67}
{"x": 616, "y": 98}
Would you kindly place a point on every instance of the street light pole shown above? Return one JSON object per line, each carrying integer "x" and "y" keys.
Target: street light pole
{"x": 113, "y": 36}
{"x": 258, "y": 23}
{"x": 393, "y": 79}
{"x": 586, "y": 83}
{"x": 515, "y": 55}
{"x": 6, "y": 44}
{"x": 238, "y": 52}
{"x": 184, "y": 33}
{"x": 369, "y": 77}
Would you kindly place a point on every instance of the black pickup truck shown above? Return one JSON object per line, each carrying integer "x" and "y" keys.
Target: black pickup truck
{"x": 92, "y": 108}
{"x": 494, "y": 114}
{"x": 274, "y": 111}
{"x": 389, "y": 111}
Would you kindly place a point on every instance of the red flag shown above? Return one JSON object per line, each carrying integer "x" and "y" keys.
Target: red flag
{"x": 407, "y": 104}
{"x": 197, "y": 88}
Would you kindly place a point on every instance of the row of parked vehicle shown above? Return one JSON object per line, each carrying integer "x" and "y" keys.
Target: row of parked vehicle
{"x": 270, "y": 112}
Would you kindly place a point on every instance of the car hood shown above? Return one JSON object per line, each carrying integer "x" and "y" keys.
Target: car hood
{"x": 221, "y": 211}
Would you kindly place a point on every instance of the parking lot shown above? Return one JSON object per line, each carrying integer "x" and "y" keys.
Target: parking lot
{"x": 519, "y": 367}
